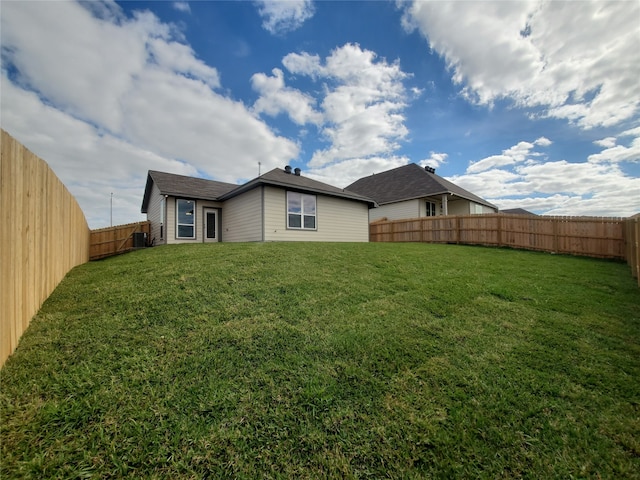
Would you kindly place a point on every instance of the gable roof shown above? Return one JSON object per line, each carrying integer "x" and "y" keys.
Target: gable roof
{"x": 183, "y": 186}
{"x": 517, "y": 211}
{"x": 280, "y": 178}
{"x": 407, "y": 183}
{"x": 199, "y": 188}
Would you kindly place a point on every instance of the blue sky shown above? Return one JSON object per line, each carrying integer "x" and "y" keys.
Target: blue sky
{"x": 527, "y": 104}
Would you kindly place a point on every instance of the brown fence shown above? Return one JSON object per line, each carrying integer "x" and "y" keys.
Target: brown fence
{"x": 589, "y": 236}
{"x": 43, "y": 235}
{"x": 109, "y": 241}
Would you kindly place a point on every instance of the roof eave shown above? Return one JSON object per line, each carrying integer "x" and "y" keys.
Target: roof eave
{"x": 256, "y": 182}
{"x": 147, "y": 194}
{"x": 475, "y": 200}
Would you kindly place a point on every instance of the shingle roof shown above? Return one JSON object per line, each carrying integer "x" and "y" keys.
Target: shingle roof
{"x": 517, "y": 211}
{"x": 279, "y": 178}
{"x": 199, "y": 188}
{"x": 183, "y": 186}
{"x": 409, "y": 182}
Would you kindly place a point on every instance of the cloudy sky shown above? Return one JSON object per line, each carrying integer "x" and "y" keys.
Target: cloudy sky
{"x": 527, "y": 104}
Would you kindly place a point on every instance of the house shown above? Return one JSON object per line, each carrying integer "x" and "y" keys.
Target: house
{"x": 517, "y": 211}
{"x": 281, "y": 205}
{"x": 412, "y": 191}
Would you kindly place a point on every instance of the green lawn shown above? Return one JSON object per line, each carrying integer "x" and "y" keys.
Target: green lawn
{"x": 329, "y": 361}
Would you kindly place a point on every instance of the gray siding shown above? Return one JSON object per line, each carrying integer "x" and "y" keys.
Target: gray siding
{"x": 417, "y": 208}
{"x": 397, "y": 211}
{"x": 242, "y": 217}
{"x": 338, "y": 220}
{"x": 170, "y": 233}
{"x": 154, "y": 215}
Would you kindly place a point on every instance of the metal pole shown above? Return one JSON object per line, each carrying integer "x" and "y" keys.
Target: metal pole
{"x": 111, "y": 210}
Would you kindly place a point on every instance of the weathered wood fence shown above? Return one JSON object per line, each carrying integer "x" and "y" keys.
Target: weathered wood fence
{"x": 588, "y": 236}
{"x": 109, "y": 241}
{"x": 43, "y": 235}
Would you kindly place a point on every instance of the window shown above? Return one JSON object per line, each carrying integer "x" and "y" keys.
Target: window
{"x": 431, "y": 209}
{"x": 185, "y": 219}
{"x": 301, "y": 211}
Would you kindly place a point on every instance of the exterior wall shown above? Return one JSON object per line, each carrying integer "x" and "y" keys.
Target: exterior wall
{"x": 417, "y": 208}
{"x": 337, "y": 219}
{"x": 465, "y": 207}
{"x": 481, "y": 209}
{"x": 242, "y": 217}
{"x": 170, "y": 227}
{"x": 422, "y": 205}
{"x": 154, "y": 216}
{"x": 396, "y": 211}
{"x": 458, "y": 207}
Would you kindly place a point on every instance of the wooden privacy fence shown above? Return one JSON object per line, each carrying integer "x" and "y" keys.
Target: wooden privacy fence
{"x": 588, "y": 236}
{"x": 43, "y": 235}
{"x": 109, "y": 241}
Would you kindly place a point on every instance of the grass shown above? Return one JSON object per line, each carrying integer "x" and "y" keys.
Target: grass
{"x": 329, "y": 361}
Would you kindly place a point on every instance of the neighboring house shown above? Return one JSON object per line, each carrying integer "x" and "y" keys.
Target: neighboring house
{"x": 517, "y": 211}
{"x": 412, "y": 191}
{"x": 280, "y": 205}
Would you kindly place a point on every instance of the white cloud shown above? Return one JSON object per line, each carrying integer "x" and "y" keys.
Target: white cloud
{"x": 490, "y": 162}
{"x": 182, "y": 7}
{"x": 543, "y": 142}
{"x": 346, "y": 172}
{"x": 179, "y": 58}
{"x": 579, "y": 61}
{"x": 276, "y": 98}
{"x": 362, "y": 106}
{"x": 360, "y": 114}
{"x": 92, "y": 165}
{"x": 282, "y": 16}
{"x": 633, "y": 132}
{"x": 106, "y": 100}
{"x": 606, "y": 142}
{"x": 516, "y": 154}
{"x": 617, "y": 153}
{"x": 594, "y": 187}
{"x": 304, "y": 64}
{"x": 434, "y": 160}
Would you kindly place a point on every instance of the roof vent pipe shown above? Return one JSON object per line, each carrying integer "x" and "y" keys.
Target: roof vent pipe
{"x": 297, "y": 171}
{"x": 287, "y": 169}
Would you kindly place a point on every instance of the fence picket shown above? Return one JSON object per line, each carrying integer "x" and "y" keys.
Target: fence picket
{"x": 43, "y": 235}
{"x": 602, "y": 237}
{"x": 105, "y": 242}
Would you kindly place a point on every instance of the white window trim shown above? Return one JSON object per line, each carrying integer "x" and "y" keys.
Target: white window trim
{"x": 428, "y": 209}
{"x": 302, "y": 213}
{"x": 178, "y": 224}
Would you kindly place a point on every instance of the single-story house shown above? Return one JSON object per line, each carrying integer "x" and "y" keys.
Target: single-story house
{"x": 411, "y": 191}
{"x": 517, "y": 211}
{"x": 280, "y": 205}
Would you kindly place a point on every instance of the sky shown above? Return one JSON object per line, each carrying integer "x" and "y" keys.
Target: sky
{"x": 528, "y": 104}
